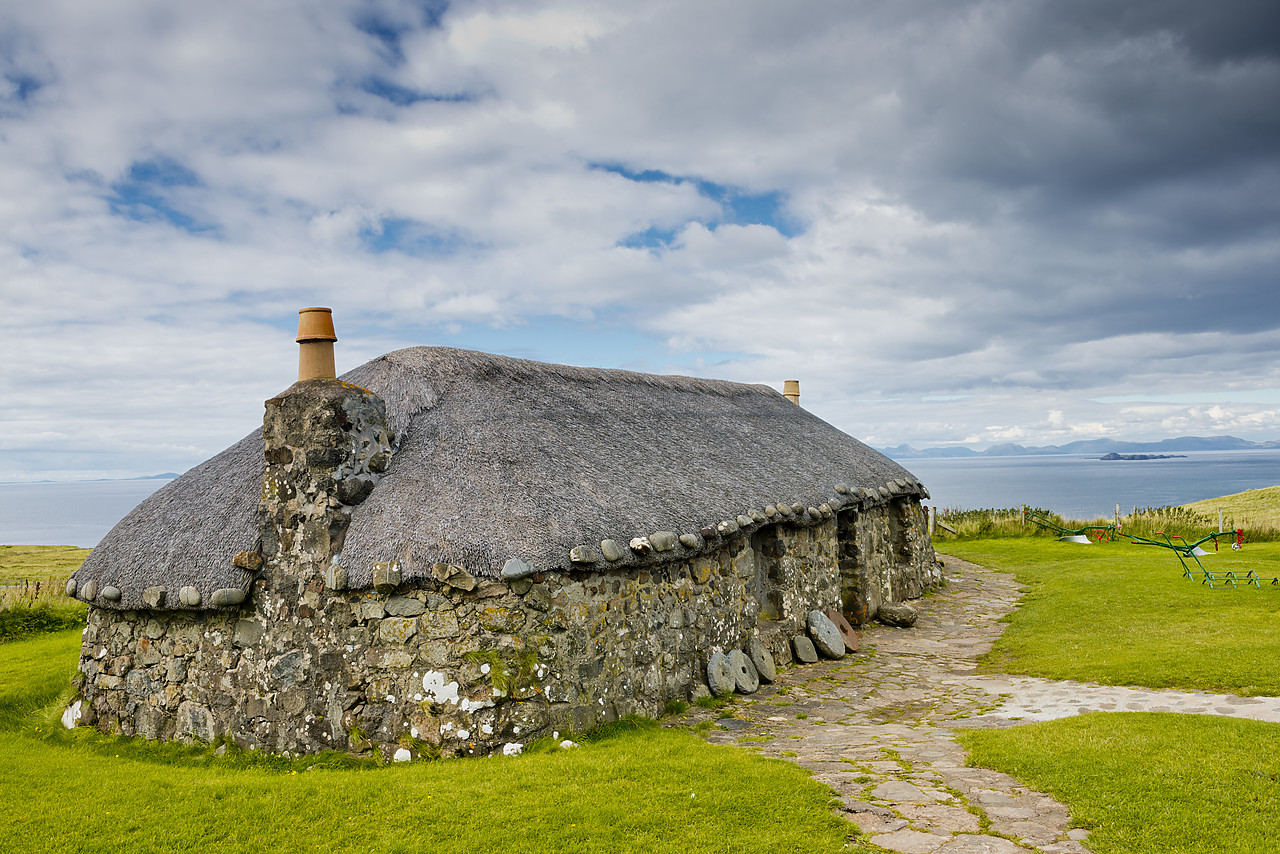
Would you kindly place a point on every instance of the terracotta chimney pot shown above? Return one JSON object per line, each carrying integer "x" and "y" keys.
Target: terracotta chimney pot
{"x": 791, "y": 391}
{"x": 315, "y": 344}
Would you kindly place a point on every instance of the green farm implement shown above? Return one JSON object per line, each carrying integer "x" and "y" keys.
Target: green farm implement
{"x": 1185, "y": 550}
{"x": 1088, "y": 534}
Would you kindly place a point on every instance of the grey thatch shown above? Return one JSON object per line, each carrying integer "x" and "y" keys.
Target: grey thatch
{"x": 502, "y": 458}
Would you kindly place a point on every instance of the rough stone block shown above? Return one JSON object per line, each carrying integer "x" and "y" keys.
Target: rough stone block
{"x": 397, "y": 629}
{"x": 386, "y": 577}
{"x": 898, "y": 614}
{"x": 154, "y": 597}
{"x": 404, "y": 606}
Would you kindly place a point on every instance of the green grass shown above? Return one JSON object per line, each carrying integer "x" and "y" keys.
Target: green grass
{"x": 33, "y": 673}
{"x": 1122, "y": 614}
{"x": 33, "y": 590}
{"x": 635, "y": 787}
{"x": 1148, "y": 783}
{"x": 36, "y": 563}
{"x": 1254, "y": 509}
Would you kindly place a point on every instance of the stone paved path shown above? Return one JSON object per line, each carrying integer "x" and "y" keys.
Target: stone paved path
{"x": 878, "y": 726}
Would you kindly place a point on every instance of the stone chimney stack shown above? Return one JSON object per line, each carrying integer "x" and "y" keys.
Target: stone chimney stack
{"x": 791, "y": 391}
{"x": 315, "y": 344}
{"x": 326, "y": 444}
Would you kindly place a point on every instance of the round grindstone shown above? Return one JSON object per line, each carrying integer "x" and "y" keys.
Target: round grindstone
{"x": 763, "y": 660}
{"x": 851, "y": 642}
{"x": 826, "y": 637}
{"x": 745, "y": 678}
{"x": 720, "y": 676}
{"x": 805, "y": 653}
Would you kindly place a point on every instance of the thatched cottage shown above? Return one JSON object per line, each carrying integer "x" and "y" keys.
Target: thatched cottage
{"x": 453, "y": 552}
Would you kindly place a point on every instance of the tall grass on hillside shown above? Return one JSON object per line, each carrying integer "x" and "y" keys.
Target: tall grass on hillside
{"x": 1189, "y": 522}
{"x": 33, "y": 596}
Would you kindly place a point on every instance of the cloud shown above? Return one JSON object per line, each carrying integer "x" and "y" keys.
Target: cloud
{"x": 1035, "y": 208}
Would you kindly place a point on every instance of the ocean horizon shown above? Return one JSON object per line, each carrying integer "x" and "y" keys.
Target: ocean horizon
{"x": 80, "y": 513}
{"x": 1083, "y": 486}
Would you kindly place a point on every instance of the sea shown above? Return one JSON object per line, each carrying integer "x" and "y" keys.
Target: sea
{"x": 1082, "y": 486}
{"x": 1079, "y": 486}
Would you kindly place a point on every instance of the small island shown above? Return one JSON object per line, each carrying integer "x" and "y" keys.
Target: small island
{"x": 1114, "y": 456}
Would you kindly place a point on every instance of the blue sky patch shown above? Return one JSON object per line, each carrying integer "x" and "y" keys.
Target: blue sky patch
{"x": 409, "y": 236}
{"x": 737, "y": 206}
{"x": 595, "y": 343}
{"x": 24, "y": 86}
{"x": 142, "y": 195}
{"x": 403, "y": 96}
{"x": 388, "y": 30}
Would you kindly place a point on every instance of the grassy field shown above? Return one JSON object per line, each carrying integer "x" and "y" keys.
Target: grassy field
{"x": 37, "y": 563}
{"x": 1123, "y": 614}
{"x": 1148, "y": 783}
{"x": 640, "y": 788}
{"x": 1254, "y": 509}
{"x": 33, "y": 595}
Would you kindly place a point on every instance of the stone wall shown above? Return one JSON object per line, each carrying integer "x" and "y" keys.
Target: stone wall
{"x": 884, "y": 557}
{"x": 451, "y": 665}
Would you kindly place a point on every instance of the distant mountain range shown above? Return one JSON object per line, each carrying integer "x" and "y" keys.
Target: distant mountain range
{"x": 1087, "y": 446}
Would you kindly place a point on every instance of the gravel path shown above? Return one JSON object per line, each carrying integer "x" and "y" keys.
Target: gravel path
{"x": 878, "y": 726}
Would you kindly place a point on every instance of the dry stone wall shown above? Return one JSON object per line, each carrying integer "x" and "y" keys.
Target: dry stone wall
{"x": 454, "y": 666}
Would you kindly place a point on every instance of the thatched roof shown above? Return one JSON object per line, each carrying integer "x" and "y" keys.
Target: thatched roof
{"x": 502, "y": 458}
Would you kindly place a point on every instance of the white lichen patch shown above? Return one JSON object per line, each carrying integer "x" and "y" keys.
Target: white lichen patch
{"x": 71, "y": 716}
{"x": 437, "y": 690}
{"x": 402, "y": 755}
{"x": 512, "y": 748}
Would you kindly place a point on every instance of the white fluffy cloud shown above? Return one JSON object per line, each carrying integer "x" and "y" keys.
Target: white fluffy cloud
{"x": 955, "y": 222}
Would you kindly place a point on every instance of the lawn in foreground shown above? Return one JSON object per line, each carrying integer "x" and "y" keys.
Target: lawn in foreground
{"x": 645, "y": 789}
{"x": 1150, "y": 783}
{"x": 1123, "y": 614}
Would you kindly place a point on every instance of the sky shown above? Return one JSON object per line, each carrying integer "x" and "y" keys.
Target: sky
{"x": 956, "y": 223}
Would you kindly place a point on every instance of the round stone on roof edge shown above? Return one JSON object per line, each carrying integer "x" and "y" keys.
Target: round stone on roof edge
{"x": 797, "y": 508}
{"x": 640, "y": 545}
{"x": 225, "y": 597}
{"x": 743, "y": 521}
{"x": 189, "y": 596}
{"x": 515, "y": 568}
{"x": 690, "y": 541}
{"x": 663, "y": 541}
{"x": 708, "y": 532}
{"x": 771, "y": 511}
{"x": 784, "y": 509}
{"x": 756, "y": 516}
{"x": 842, "y": 488}
{"x": 71, "y": 587}
{"x": 89, "y": 590}
{"x": 111, "y": 593}
{"x": 611, "y": 550}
